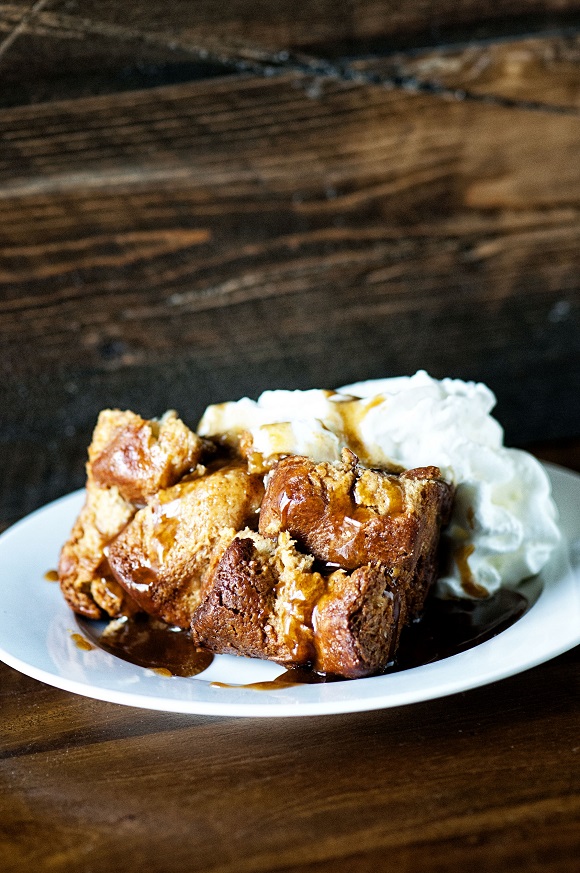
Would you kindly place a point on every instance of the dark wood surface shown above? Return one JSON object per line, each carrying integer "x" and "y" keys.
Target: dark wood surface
{"x": 202, "y": 200}
{"x": 482, "y": 781}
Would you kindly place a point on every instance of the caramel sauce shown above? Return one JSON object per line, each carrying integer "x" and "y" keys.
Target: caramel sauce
{"x": 149, "y": 643}
{"x": 300, "y": 596}
{"x": 143, "y": 578}
{"x": 290, "y": 678}
{"x": 468, "y": 583}
{"x": 107, "y": 592}
{"x": 223, "y": 463}
{"x": 446, "y": 628}
{"x": 349, "y": 534}
{"x": 471, "y": 517}
{"x": 352, "y": 412}
{"x": 396, "y": 498}
{"x": 349, "y": 527}
{"x": 81, "y": 643}
{"x": 365, "y": 494}
{"x": 51, "y": 575}
{"x": 164, "y": 534}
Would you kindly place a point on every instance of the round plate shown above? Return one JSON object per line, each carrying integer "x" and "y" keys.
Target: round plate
{"x": 36, "y": 636}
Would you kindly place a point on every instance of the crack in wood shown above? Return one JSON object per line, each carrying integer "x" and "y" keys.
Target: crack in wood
{"x": 255, "y": 60}
{"x": 21, "y": 25}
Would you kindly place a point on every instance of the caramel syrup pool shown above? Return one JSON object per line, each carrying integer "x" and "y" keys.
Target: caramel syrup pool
{"x": 446, "y": 628}
{"x": 148, "y": 643}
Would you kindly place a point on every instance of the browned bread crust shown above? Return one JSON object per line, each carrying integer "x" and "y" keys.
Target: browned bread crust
{"x": 234, "y": 616}
{"x": 267, "y": 599}
{"x": 139, "y": 457}
{"x": 129, "y": 459}
{"x": 163, "y": 558}
{"x": 344, "y": 556}
{"x": 81, "y": 568}
{"x": 358, "y": 621}
{"x": 259, "y": 601}
{"x": 347, "y": 515}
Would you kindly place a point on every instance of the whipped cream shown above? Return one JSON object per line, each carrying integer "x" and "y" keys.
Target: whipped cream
{"x": 504, "y": 523}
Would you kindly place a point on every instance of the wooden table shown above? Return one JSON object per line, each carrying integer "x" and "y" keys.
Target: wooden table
{"x": 200, "y": 201}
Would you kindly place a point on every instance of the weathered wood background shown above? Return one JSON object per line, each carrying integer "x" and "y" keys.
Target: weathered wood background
{"x": 202, "y": 200}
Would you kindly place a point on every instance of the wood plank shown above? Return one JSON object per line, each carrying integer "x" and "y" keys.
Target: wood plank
{"x": 479, "y": 779}
{"x": 59, "y": 720}
{"x": 281, "y": 24}
{"x": 202, "y": 241}
{"x": 64, "y": 48}
{"x": 195, "y": 242}
{"x": 541, "y": 71}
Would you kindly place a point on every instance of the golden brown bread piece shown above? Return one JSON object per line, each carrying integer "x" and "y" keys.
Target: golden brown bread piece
{"x": 347, "y": 515}
{"x": 138, "y": 456}
{"x": 164, "y": 556}
{"x": 267, "y": 599}
{"x": 104, "y": 514}
{"x": 259, "y": 600}
{"x": 359, "y": 620}
{"x": 344, "y": 557}
{"x": 129, "y": 458}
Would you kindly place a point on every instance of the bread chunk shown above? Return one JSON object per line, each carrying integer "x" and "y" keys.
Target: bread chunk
{"x": 129, "y": 459}
{"x": 80, "y": 567}
{"x": 259, "y": 601}
{"x": 322, "y": 567}
{"x": 348, "y": 516}
{"x": 344, "y": 559}
{"x": 359, "y": 621}
{"x": 234, "y": 616}
{"x": 140, "y": 456}
{"x": 164, "y": 556}
{"x": 266, "y": 600}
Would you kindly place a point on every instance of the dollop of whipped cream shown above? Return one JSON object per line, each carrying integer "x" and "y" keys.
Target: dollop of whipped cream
{"x": 504, "y": 523}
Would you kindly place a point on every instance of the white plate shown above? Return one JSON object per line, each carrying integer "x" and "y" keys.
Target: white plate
{"x": 36, "y": 630}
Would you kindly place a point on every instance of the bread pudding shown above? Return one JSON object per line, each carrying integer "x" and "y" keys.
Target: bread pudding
{"x": 317, "y": 565}
{"x": 307, "y": 528}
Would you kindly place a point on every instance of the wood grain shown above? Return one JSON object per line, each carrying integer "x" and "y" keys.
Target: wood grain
{"x": 534, "y": 73}
{"x": 281, "y": 24}
{"x": 481, "y": 780}
{"x": 234, "y": 236}
{"x": 69, "y": 49}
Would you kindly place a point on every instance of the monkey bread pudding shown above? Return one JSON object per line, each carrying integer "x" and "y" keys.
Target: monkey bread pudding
{"x": 307, "y": 528}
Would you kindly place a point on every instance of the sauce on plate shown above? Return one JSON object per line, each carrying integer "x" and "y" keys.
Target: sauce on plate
{"x": 149, "y": 643}
{"x": 446, "y": 628}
